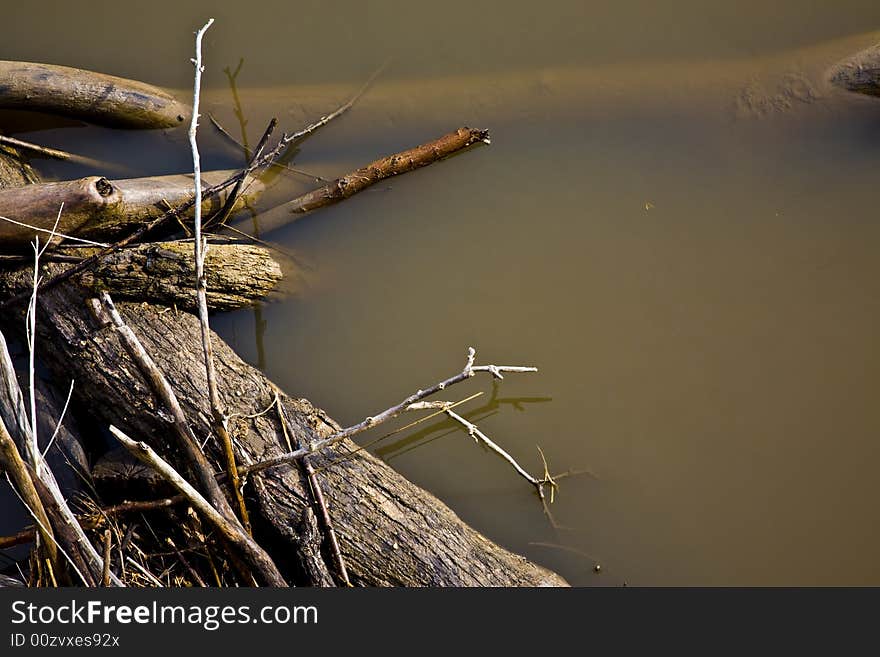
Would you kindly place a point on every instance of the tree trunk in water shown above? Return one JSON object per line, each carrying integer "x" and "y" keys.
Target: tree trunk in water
{"x": 391, "y": 532}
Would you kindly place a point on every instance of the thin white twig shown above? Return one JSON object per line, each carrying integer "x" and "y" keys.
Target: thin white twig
{"x": 81, "y": 240}
{"x": 478, "y": 436}
{"x": 146, "y": 573}
{"x": 469, "y": 370}
{"x": 28, "y": 427}
{"x": 193, "y": 127}
{"x": 60, "y": 420}
{"x": 220, "y": 421}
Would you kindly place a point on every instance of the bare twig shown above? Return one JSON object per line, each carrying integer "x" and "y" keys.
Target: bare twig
{"x": 469, "y": 371}
{"x": 441, "y": 408}
{"x": 247, "y": 151}
{"x": 256, "y": 556}
{"x": 146, "y": 573}
{"x": 220, "y": 421}
{"x": 65, "y": 525}
{"x": 105, "y": 310}
{"x": 186, "y": 564}
{"x": 386, "y": 167}
{"x": 475, "y": 433}
{"x": 91, "y": 521}
{"x": 108, "y": 544}
{"x": 51, "y": 153}
{"x": 226, "y": 210}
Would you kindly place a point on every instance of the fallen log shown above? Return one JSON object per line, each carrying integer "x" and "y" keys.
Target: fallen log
{"x": 787, "y": 82}
{"x": 164, "y": 272}
{"x": 859, "y": 73}
{"x": 97, "y": 208}
{"x": 94, "y": 97}
{"x": 391, "y": 533}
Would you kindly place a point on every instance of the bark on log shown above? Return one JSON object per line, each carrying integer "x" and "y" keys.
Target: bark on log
{"x": 164, "y": 272}
{"x": 97, "y": 208}
{"x": 391, "y": 532}
{"x": 94, "y": 97}
{"x": 859, "y": 73}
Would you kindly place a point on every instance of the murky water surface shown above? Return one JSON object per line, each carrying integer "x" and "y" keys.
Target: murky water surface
{"x": 675, "y": 221}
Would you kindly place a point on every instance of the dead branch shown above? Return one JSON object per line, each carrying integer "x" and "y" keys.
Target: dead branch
{"x": 232, "y": 197}
{"x": 357, "y": 181}
{"x": 162, "y": 272}
{"x": 64, "y": 523}
{"x": 317, "y": 497}
{"x": 95, "y": 97}
{"x": 217, "y": 412}
{"x": 94, "y": 520}
{"x": 108, "y": 544}
{"x": 244, "y": 148}
{"x": 266, "y": 159}
{"x": 253, "y": 553}
{"x": 393, "y": 165}
{"x": 475, "y": 433}
{"x": 308, "y": 550}
{"x": 390, "y": 531}
{"x": 469, "y": 370}
{"x": 20, "y": 478}
{"x": 45, "y": 151}
{"x": 106, "y": 313}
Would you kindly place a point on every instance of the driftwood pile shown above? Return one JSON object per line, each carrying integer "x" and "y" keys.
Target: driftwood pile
{"x": 243, "y": 485}
{"x": 234, "y": 482}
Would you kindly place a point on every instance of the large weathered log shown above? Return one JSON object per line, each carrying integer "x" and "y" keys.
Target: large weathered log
{"x": 860, "y": 72}
{"x": 95, "y": 97}
{"x": 391, "y": 532}
{"x": 97, "y": 208}
{"x": 164, "y": 272}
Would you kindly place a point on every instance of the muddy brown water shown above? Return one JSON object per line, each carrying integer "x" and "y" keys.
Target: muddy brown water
{"x": 675, "y": 221}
